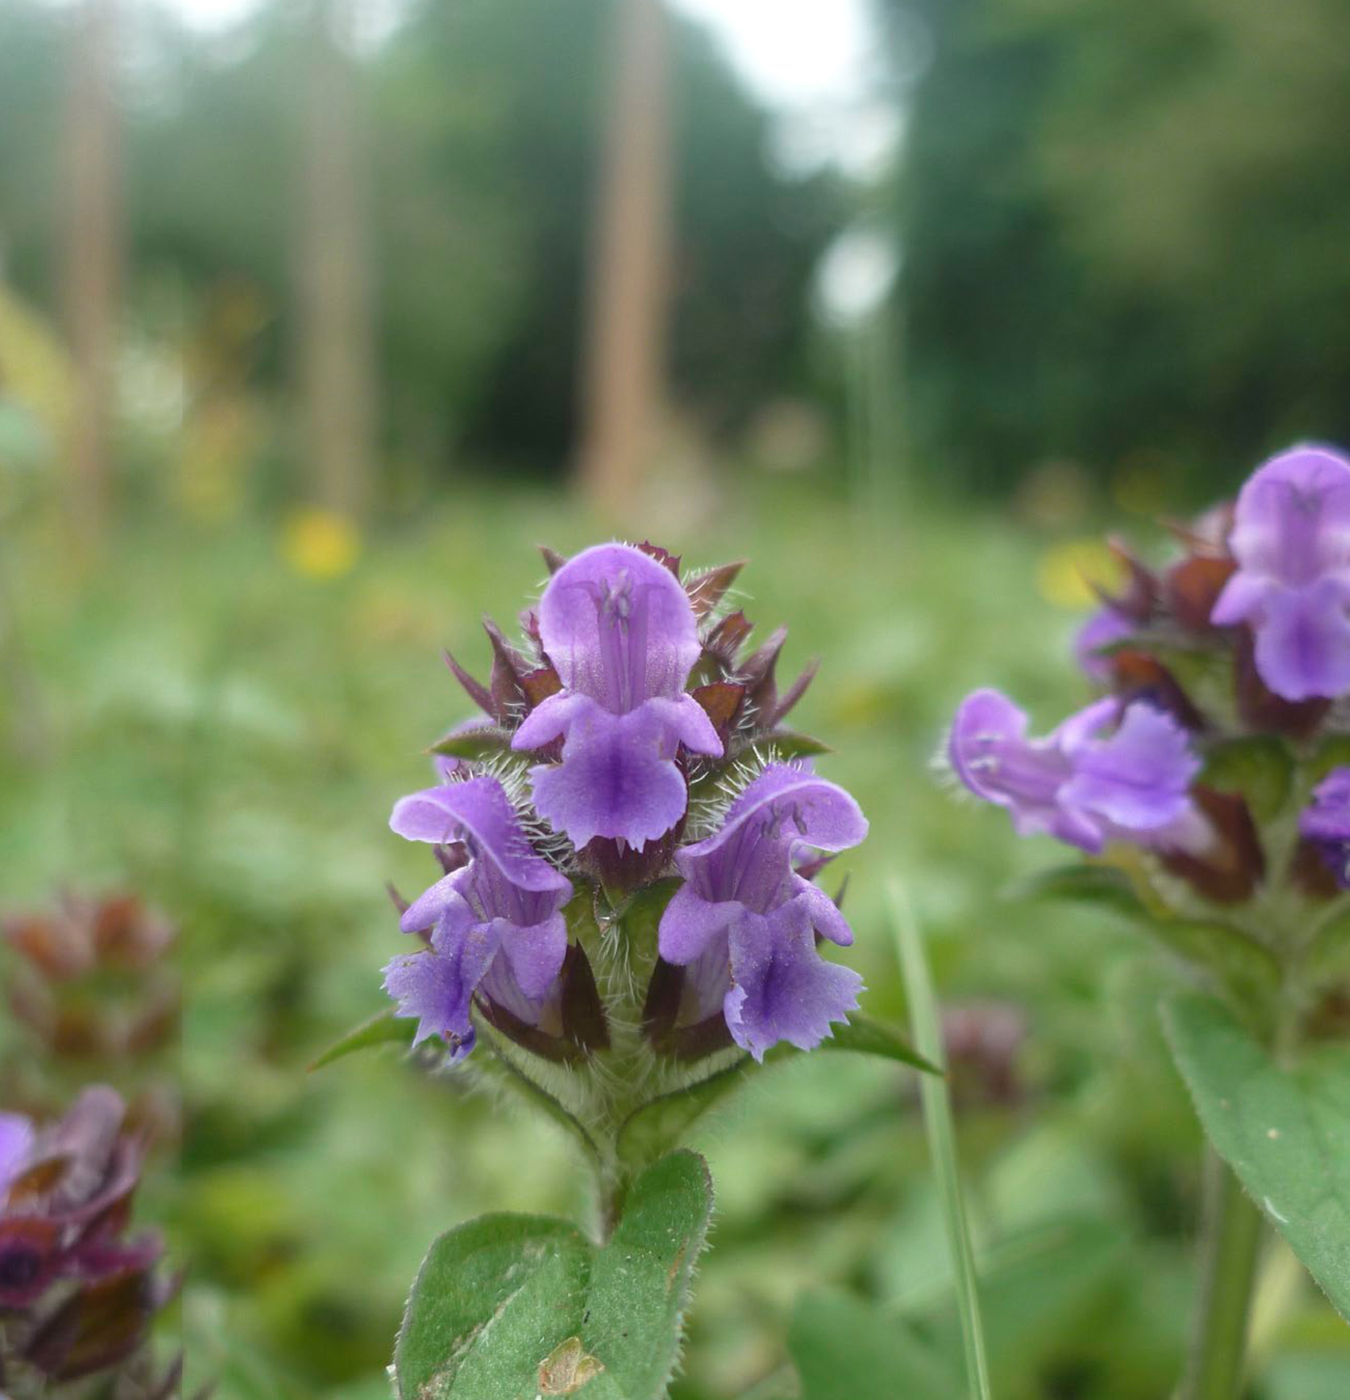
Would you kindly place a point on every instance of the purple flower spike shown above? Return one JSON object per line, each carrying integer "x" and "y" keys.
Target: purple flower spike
{"x": 1291, "y": 538}
{"x": 500, "y": 908}
{"x": 1081, "y": 784}
{"x": 743, "y": 911}
{"x": 1326, "y": 823}
{"x": 621, "y": 634}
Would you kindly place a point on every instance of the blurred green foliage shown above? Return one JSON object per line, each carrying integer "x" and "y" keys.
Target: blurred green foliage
{"x": 1121, "y": 227}
{"x": 481, "y": 126}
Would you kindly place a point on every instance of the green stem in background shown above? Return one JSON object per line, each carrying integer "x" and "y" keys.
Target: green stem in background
{"x": 937, "y": 1117}
{"x": 1230, "y": 1246}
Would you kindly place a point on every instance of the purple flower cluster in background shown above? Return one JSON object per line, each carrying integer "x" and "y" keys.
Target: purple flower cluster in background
{"x": 1244, "y": 641}
{"x": 1325, "y": 822}
{"x": 77, "y": 1295}
{"x": 1291, "y": 540}
{"x": 637, "y": 697}
{"x": 1107, "y": 773}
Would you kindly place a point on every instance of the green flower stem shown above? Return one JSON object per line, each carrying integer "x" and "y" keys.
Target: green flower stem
{"x": 1230, "y": 1247}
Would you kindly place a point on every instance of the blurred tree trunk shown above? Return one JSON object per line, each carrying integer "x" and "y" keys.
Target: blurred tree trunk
{"x": 93, "y": 254}
{"x": 623, "y": 376}
{"x": 335, "y": 351}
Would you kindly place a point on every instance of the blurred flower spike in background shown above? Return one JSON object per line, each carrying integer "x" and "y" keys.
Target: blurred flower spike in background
{"x": 77, "y": 1293}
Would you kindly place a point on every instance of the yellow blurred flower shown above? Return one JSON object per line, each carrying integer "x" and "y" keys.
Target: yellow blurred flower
{"x": 1066, "y": 572}
{"x": 320, "y": 544}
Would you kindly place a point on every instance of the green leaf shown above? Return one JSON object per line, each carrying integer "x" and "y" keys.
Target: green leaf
{"x": 1284, "y": 1131}
{"x": 1084, "y": 883}
{"x": 640, "y": 1283}
{"x": 474, "y": 744}
{"x": 1258, "y": 767}
{"x": 384, "y": 1028}
{"x": 492, "y": 1301}
{"x": 659, "y": 1124}
{"x": 867, "y": 1037}
{"x": 1245, "y": 968}
{"x": 784, "y": 744}
{"x": 846, "y": 1349}
{"x": 509, "y": 1307}
{"x": 506, "y": 1065}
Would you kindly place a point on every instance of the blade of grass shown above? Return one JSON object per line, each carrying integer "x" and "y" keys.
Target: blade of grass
{"x": 937, "y": 1117}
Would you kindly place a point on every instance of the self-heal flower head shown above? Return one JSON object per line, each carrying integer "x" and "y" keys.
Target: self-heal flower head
{"x": 1291, "y": 539}
{"x": 1087, "y": 782}
{"x": 745, "y": 912}
{"x": 497, "y": 916}
{"x": 1326, "y": 823}
{"x": 621, "y": 634}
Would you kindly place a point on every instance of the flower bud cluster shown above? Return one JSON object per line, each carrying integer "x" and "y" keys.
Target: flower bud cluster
{"x": 631, "y": 756}
{"x": 91, "y": 985}
{"x": 77, "y": 1295}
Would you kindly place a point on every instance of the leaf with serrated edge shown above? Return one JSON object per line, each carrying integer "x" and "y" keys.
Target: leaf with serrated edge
{"x": 384, "y": 1028}
{"x": 1284, "y": 1131}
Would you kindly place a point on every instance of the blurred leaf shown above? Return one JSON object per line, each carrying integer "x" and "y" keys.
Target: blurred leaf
{"x": 1084, "y": 883}
{"x": 846, "y": 1348}
{"x": 1241, "y": 965}
{"x": 1284, "y": 1131}
{"x": 1258, "y": 766}
{"x": 384, "y": 1028}
{"x": 509, "y": 1307}
{"x": 1035, "y": 1290}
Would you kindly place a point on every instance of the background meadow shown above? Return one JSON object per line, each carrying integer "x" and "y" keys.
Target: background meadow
{"x": 307, "y": 340}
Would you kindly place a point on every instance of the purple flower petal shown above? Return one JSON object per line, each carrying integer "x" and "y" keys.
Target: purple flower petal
{"x": 436, "y": 986}
{"x": 621, "y": 634}
{"x": 783, "y": 989}
{"x": 1303, "y": 642}
{"x": 16, "y": 1142}
{"x": 618, "y": 627}
{"x": 1326, "y": 823}
{"x": 535, "y": 952}
{"x": 479, "y": 813}
{"x": 618, "y": 778}
{"x": 1106, "y": 626}
{"x": 1139, "y": 777}
{"x": 742, "y": 901}
{"x": 1080, "y": 784}
{"x": 501, "y": 906}
{"x": 691, "y": 922}
{"x": 1291, "y": 538}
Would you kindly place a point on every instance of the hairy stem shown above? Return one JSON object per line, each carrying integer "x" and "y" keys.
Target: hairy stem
{"x": 1230, "y": 1246}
